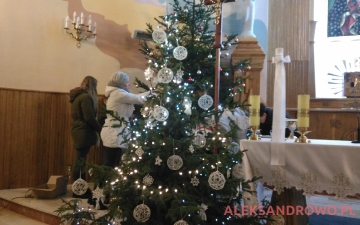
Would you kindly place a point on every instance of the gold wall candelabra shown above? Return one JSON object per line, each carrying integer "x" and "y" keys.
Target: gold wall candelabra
{"x": 82, "y": 31}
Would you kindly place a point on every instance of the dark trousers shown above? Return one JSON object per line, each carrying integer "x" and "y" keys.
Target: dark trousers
{"x": 112, "y": 156}
{"x": 81, "y": 153}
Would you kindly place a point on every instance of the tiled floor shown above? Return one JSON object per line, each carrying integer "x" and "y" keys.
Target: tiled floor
{"x": 8, "y": 217}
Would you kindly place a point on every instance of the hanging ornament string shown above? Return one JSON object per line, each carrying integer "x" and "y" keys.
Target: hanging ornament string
{"x": 173, "y": 147}
{"x": 205, "y": 101}
{"x": 174, "y": 162}
{"x": 180, "y": 52}
{"x": 80, "y": 186}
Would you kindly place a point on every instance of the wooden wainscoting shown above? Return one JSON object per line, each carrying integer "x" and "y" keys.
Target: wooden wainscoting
{"x": 35, "y": 139}
{"x": 331, "y": 119}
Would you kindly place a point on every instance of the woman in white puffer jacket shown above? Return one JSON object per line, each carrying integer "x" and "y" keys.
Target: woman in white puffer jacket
{"x": 121, "y": 102}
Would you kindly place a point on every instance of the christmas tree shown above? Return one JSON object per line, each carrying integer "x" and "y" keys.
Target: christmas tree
{"x": 182, "y": 166}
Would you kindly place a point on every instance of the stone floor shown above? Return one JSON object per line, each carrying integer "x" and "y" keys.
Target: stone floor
{"x": 9, "y": 217}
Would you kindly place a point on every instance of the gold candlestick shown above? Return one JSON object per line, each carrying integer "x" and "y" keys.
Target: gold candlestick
{"x": 303, "y": 139}
{"x": 253, "y": 136}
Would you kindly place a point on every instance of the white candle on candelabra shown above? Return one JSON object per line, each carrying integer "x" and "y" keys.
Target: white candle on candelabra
{"x": 303, "y": 110}
{"x": 94, "y": 28}
{"x": 74, "y": 18}
{"x": 82, "y": 18}
{"x": 89, "y": 23}
{"x": 77, "y": 22}
{"x": 67, "y": 22}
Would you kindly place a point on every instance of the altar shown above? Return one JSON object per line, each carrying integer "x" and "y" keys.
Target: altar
{"x": 322, "y": 165}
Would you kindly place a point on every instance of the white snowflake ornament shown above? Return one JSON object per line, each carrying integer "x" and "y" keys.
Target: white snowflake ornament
{"x": 238, "y": 171}
{"x": 158, "y": 161}
{"x": 149, "y": 73}
{"x": 181, "y": 222}
{"x": 195, "y": 181}
{"x": 217, "y": 180}
{"x": 180, "y": 73}
{"x": 148, "y": 180}
{"x": 191, "y": 148}
{"x": 98, "y": 193}
{"x": 165, "y": 75}
{"x": 205, "y": 102}
{"x": 139, "y": 152}
{"x": 174, "y": 162}
{"x": 159, "y": 35}
{"x": 79, "y": 187}
{"x": 142, "y": 213}
{"x": 180, "y": 53}
{"x": 160, "y": 113}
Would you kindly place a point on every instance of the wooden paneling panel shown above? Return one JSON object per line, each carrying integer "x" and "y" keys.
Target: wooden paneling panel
{"x": 35, "y": 139}
{"x": 289, "y": 28}
{"x": 331, "y": 123}
{"x": 296, "y": 82}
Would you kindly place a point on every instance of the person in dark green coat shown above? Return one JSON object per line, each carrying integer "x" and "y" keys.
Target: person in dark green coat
{"x": 85, "y": 127}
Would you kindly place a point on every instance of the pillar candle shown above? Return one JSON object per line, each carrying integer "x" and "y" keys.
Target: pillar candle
{"x": 67, "y": 22}
{"x": 95, "y": 25}
{"x": 78, "y": 22}
{"x": 303, "y": 110}
{"x": 74, "y": 18}
{"x": 82, "y": 18}
{"x": 254, "y": 110}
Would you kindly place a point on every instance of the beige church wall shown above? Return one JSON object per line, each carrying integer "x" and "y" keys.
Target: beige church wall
{"x": 37, "y": 54}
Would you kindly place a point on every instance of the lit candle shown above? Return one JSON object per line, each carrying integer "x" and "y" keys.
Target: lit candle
{"x": 82, "y": 18}
{"x": 303, "y": 110}
{"x": 74, "y": 18}
{"x": 67, "y": 22}
{"x": 94, "y": 28}
{"x": 254, "y": 110}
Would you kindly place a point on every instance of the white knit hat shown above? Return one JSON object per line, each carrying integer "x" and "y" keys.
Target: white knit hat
{"x": 119, "y": 79}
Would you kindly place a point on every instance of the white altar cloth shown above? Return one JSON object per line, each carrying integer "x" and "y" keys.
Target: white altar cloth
{"x": 322, "y": 165}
